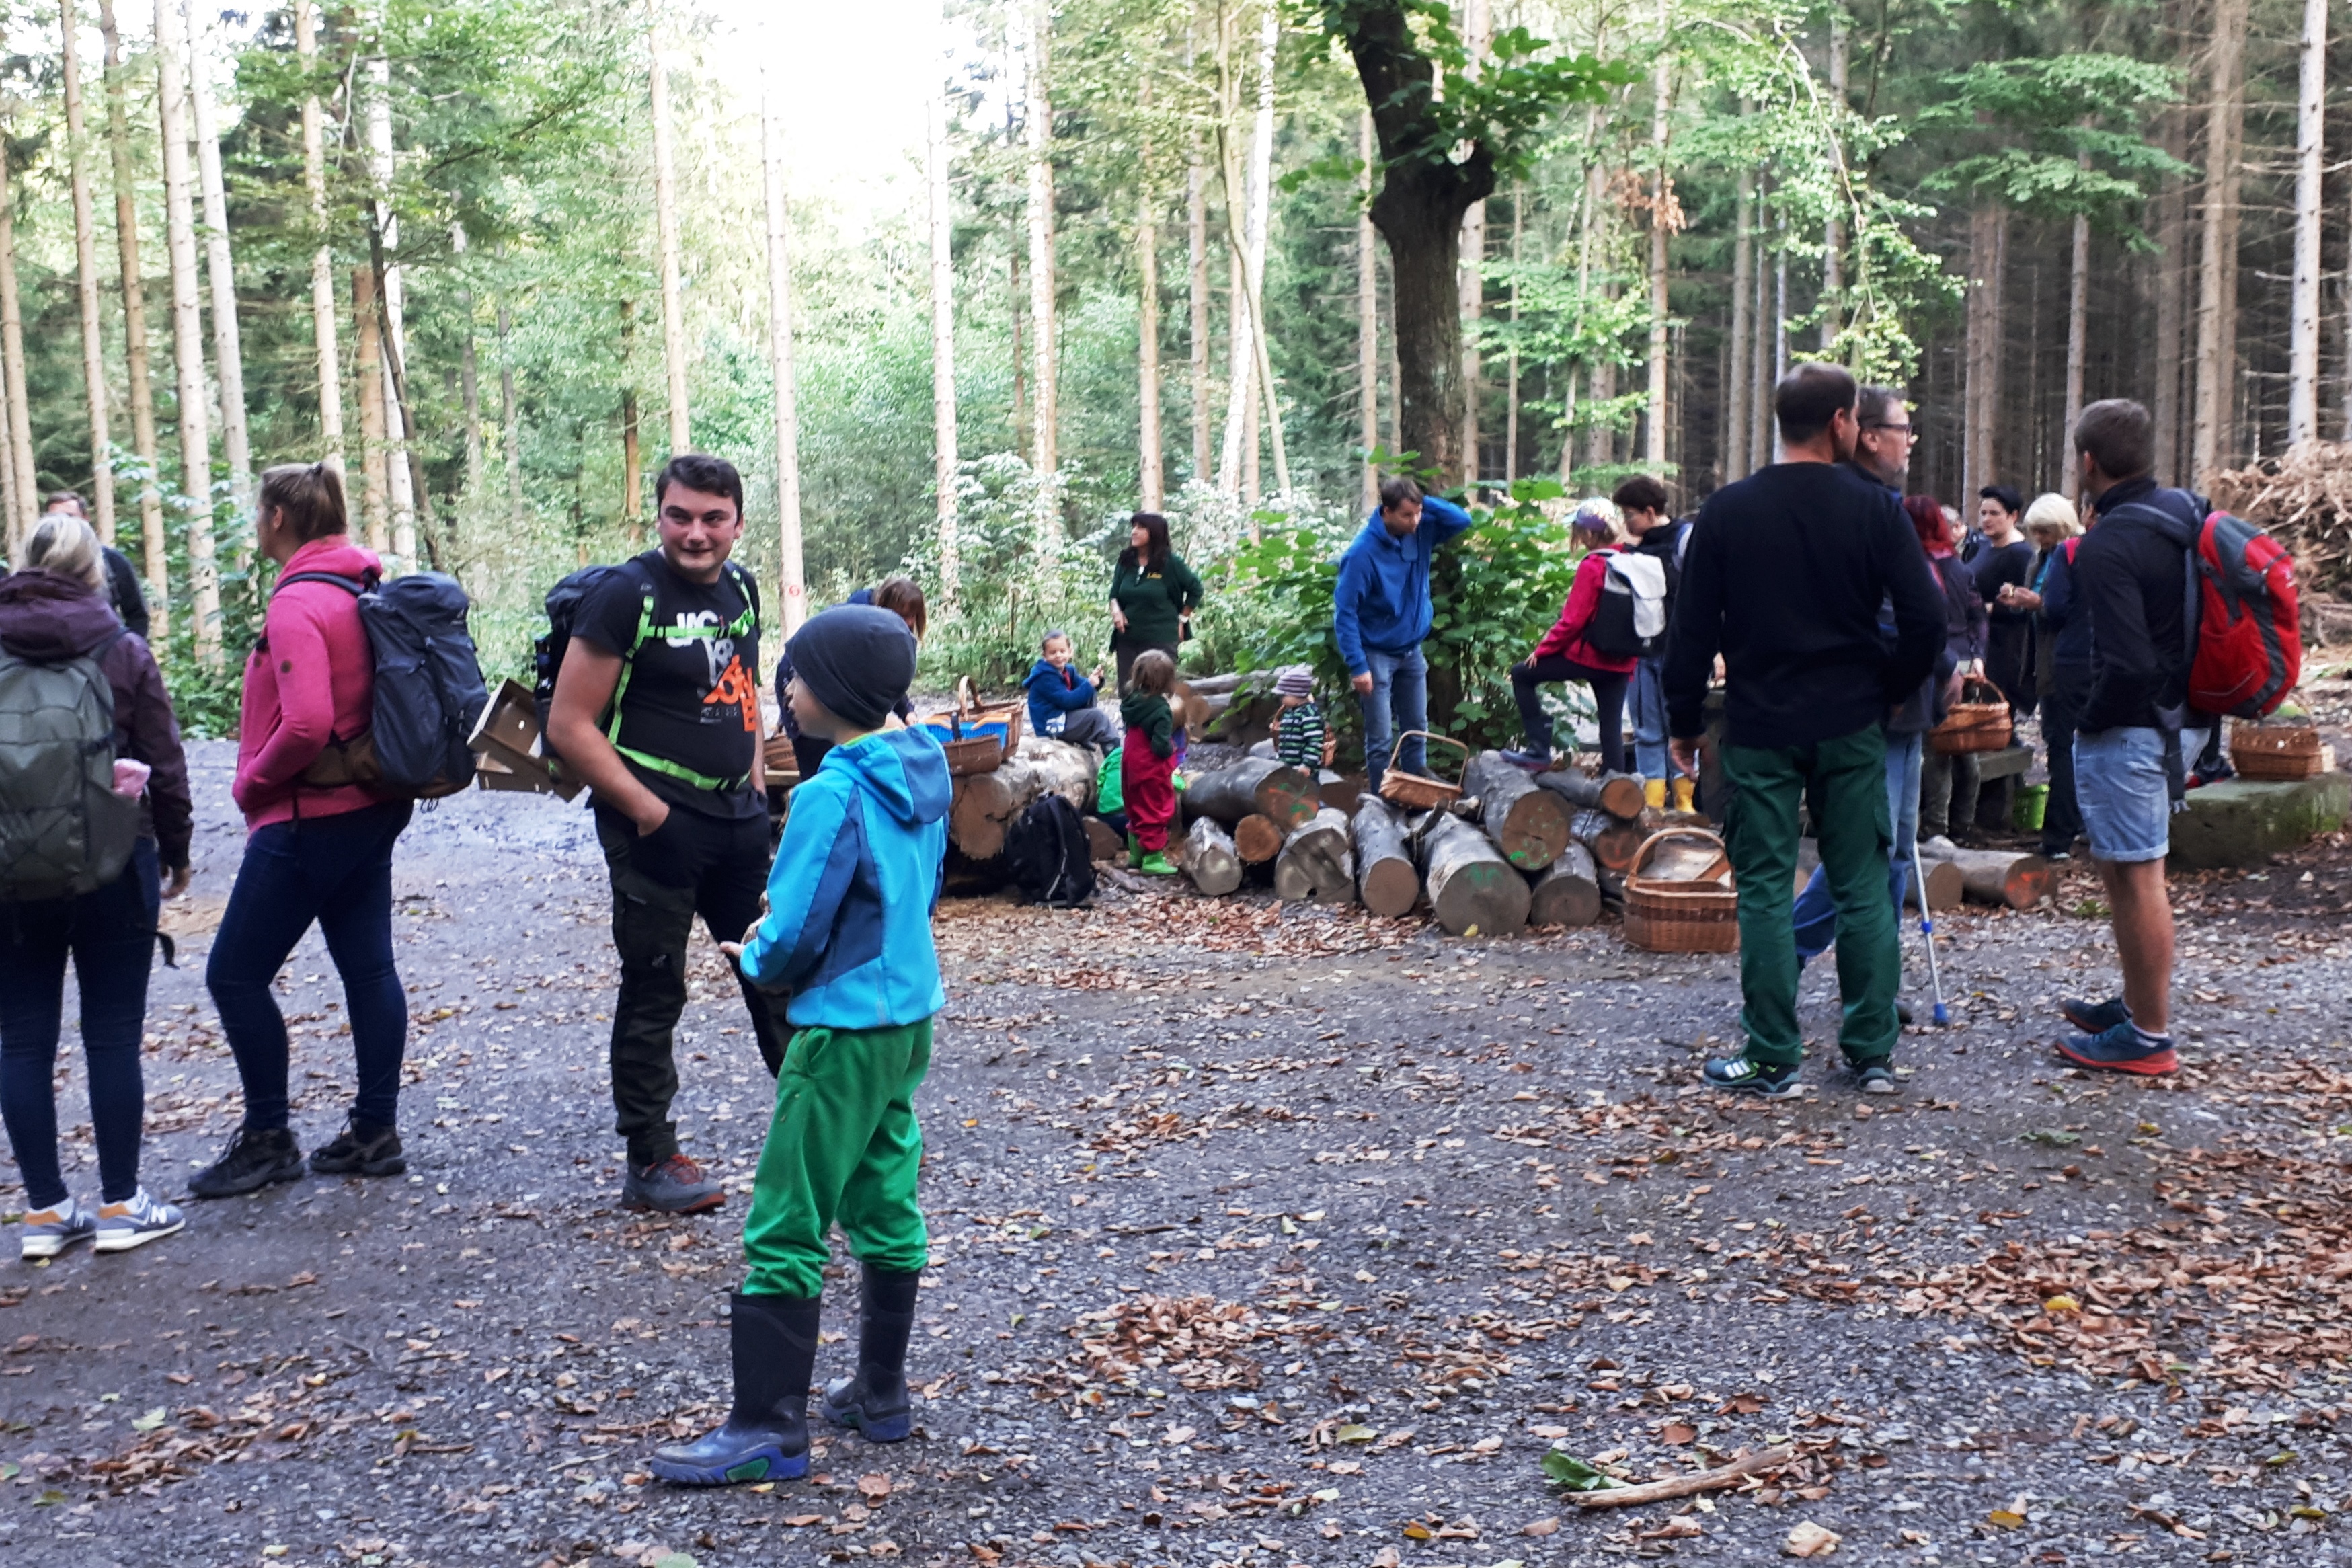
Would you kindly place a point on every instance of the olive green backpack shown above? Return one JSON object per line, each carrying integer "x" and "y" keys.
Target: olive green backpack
{"x": 63, "y": 831}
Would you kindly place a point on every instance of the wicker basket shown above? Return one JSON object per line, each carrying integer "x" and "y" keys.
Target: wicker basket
{"x": 1978, "y": 721}
{"x": 2275, "y": 752}
{"x": 978, "y": 736}
{"x": 1680, "y": 916}
{"x": 1414, "y": 791}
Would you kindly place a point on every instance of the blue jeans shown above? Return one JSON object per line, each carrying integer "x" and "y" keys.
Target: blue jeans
{"x": 1649, "y": 704}
{"x": 1398, "y": 701}
{"x": 1815, "y": 917}
{"x": 337, "y": 871}
{"x": 2119, "y": 786}
{"x": 110, "y": 934}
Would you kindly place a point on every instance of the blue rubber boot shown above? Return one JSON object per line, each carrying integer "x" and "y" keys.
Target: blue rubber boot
{"x": 765, "y": 1438}
{"x": 875, "y": 1402}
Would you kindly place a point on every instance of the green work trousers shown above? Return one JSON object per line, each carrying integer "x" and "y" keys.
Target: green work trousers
{"x": 844, "y": 1145}
{"x": 1843, "y": 782}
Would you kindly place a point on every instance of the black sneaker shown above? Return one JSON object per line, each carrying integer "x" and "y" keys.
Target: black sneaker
{"x": 1744, "y": 1076}
{"x": 2095, "y": 1018}
{"x": 674, "y": 1186}
{"x": 1903, "y": 1014}
{"x": 361, "y": 1150}
{"x": 253, "y": 1159}
{"x": 1874, "y": 1078}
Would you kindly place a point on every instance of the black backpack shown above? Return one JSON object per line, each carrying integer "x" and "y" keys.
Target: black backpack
{"x": 1047, "y": 854}
{"x": 429, "y": 691}
{"x": 562, "y": 604}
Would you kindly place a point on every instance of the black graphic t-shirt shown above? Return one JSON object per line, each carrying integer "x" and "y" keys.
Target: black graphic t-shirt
{"x": 690, "y": 710}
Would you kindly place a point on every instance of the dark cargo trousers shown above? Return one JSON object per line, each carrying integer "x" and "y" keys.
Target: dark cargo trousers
{"x": 692, "y": 865}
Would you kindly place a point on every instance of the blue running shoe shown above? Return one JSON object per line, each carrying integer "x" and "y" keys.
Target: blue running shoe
{"x": 2121, "y": 1049}
{"x": 2095, "y": 1018}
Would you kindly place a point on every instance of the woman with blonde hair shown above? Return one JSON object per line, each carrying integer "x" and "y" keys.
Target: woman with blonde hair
{"x": 55, "y": 613}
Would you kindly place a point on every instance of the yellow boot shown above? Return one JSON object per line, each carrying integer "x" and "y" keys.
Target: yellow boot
{"x": 1653, "y": 793}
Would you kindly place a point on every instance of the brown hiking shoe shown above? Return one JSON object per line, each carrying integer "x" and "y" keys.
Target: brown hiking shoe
{"x": 674, "y": 1186}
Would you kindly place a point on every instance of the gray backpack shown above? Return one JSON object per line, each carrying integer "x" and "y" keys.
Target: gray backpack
{"x": 63, "y": 831}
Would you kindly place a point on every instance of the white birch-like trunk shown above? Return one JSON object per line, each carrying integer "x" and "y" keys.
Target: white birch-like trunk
{"x": 469, "y": 389}
{"x": 2217, "y": 284}
{"x": 1759, "y": 352}
{"x": 322, "y": 259}
{"x": 1147, "y": 322}
{"x": 187, "y": 333}
{"x": 399, "y": 486}
{"x": 1511, "y": 358}
{"x": 1661, "y": 98}
{"x": 1833, "y": 232}
{"x": 1196, "y": 262}
{"x": 220, "y": 263}
{"x": 666, "y": 234}
{"x": 154, "y": 558}
{"x": 510, "y": 420}
{"x": 1039, "y": 116}
{"x": 2078, "y": 343}
{"x": 1368, "y": 313}
{"x": 1250, "y": 369}
{"x": 23, "y": 499}
{"x": 1980, "y": 397}
{"x": 93, "y": 346}
{"x": 2303, "y": 331}
{"x": 780, "y": 359}
{"x": 1477, "y": 31}
{"x": 1739, "y": 401}
{"x": 943, "y": 382}
{"x": 2171, "y": 278}
{"x": 367, "y": 370}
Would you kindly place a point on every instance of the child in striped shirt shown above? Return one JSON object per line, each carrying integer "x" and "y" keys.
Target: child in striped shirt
{"x": 1298, "y": 728}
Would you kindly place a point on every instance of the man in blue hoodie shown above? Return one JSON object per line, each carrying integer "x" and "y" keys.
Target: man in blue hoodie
{"x": 848, "y": 933}
{"x": 1380, "y": 612}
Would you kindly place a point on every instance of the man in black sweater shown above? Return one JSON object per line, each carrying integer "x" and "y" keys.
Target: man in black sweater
{"x": 2130, "y": 573}
{"x": 1784, "y": 578}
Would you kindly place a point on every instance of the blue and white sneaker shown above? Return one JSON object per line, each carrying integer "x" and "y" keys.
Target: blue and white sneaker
{"x": 51, "y": 1231}
{"x": 2095, "y": 1018}
{"x": 2122, "y": 1048}
{"x": 136, "y": 1221}
{"x": 1744, "y": 1074}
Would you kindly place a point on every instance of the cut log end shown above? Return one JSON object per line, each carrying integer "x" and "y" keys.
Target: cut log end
{"x": 1256, "y": 839}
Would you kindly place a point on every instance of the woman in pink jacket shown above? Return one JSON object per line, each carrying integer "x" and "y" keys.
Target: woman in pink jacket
{"x": 1564, "y": 655}
{"x": 317, "y": 846}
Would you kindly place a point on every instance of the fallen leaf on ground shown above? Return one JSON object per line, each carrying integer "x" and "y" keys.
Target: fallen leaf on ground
{"x": 1810, "y": 1539}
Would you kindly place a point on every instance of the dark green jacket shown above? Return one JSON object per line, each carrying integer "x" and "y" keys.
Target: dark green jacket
{"x": 1153, "y": 601}
{"x": 1148, "y": 711}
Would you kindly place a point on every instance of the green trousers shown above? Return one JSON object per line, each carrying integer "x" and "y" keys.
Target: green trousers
{"x": 844, "y": 1146}
{"x": 1844, "y": 782}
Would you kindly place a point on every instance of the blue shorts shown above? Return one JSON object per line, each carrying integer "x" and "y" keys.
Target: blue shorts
{"x": 2119, "y": 786}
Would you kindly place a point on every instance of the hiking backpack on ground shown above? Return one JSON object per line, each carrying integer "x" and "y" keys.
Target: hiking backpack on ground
{"x": 1047, "y": 854}
{"x": 2245, "y": 641}
{"x": 1630, "y": 622}
{"x": 63, "y": 831}
{"x": 429, "y": 689}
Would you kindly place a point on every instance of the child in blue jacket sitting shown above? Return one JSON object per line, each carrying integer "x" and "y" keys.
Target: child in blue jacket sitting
{"x": 1062, "y": 701}
{"x": 848, "y": 933}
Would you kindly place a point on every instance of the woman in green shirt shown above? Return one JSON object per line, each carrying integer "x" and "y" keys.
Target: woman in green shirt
{"x": 1152, "y": 594}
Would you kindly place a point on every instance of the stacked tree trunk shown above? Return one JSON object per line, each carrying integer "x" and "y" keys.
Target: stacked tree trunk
{"x": 1619, "y": 795}
{"x": 1318, "y": 862}
{"x": 1528, "y": 825}
{"x": 1567, "y": 892}
{"x": 1473, "y": 890}
{"x": 1209, "y": 859}
{"x": 1387, "y": 880}
{"x": 985, "y": 805}
{"x": 1286, "y": 797}
{"x": 1613, "y": 842}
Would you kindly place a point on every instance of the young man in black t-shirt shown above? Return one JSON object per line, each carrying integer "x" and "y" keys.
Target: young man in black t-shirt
{"x": 657, "y": 708}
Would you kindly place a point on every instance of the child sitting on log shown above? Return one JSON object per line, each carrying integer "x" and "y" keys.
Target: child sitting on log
{"x": 848, "y": 933}
{"x": 1298, "y": 728}
{"x": 1062, "y": 701}
{"x": 1147, "y": 762}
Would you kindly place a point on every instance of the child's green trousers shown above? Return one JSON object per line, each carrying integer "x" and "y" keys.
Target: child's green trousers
{"x": 843, "y": 1146}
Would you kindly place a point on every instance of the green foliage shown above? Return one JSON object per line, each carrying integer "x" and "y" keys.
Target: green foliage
{"x": 2066, "y": 162}
{"x": 1569, "y": 1473}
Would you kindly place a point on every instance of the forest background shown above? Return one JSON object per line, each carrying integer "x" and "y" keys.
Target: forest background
{"x": 501, "y": 258}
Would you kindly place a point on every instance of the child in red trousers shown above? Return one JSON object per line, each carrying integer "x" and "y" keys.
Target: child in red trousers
{"x": 1147, "y": 762}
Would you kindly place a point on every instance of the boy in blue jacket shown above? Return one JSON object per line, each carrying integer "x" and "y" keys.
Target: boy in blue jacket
{"x": 1062, "y": 701}
{"x": 849, "y": 932}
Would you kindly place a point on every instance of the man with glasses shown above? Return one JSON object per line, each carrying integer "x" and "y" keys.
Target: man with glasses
{"x": 1883, "y": 449}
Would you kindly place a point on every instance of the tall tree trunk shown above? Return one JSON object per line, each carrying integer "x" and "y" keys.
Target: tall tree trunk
{"x": 1740, "y": 398}
{"x": 1662, "y": 99}
{"x": 2078, "y": 342}
{"x": 469, "y": 388}
{"x": 666, "y": 230}
{"x": 1833, "y": 232}
{"x": 12, "y": 347}
{"x": 1987, "y": 261}
{"x": 1039, "y": 115}
{"x": 1368, "y": 315}
{"x": 187, "y": 334}
{"x": 1252, "y": 363}
{"x": 1196, "y": 262}
{"x": 1511, "y": 359}
{"x": 944, "y": 440}
{"x": 510, "y": 422}
{"x": 2212, "y": 436}
{"x": 220, "y": 264}
{"x": 367, "y": 370}
{"x": 2303, "y": 331}
{"x": 322, "y": 259}
{"x": 1477, "y": 30}
{"x": 2171, "y": 278}
{"x": 780, "y": 363}
{"x": 400, "y": 409}
{"x": 1759, "y": 352}
{"x": 1588, "y": 219}
{"x": 1147, "y": 322}
{"x": 93, "y": 346}
{"x": 154, "y": 547}
{"x": 401, "y": 494}
{"x": 633, "y": 470}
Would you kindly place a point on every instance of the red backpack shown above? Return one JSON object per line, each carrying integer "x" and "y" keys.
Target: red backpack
{"x": 2245, "y": 636}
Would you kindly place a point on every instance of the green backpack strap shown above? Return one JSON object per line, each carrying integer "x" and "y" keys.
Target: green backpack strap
{"x": 747, "y": 621}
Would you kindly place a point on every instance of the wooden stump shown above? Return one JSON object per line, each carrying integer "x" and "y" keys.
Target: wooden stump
{"x": 2014, "y": 880}
{"x": 1619, "y": 795}
{"x": 1568, "y": 893}
{"x": 1528, "y": 824}
{"x": 1472, "y": 888}
{"x": 1945, "y": 885}
{"x": 1614, "y": 843}
{"x": 1317, "y": 862}
{"x": 1209, "y": 857}
{"x": 1386, "y": 878}
{"x": 1102, "y": 842}
{"x": 984, "y": 805}
{"x": 1256, "y": 839}
{"x": 1286, "y": 796}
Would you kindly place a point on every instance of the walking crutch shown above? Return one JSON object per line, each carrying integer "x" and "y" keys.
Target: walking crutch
{"x": 1928, "y": 931}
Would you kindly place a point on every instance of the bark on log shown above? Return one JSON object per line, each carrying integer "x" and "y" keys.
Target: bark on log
{"x": 1102, "y": 842}
{"x": 1619, "y": 795}
{"x": 1614, "y": 843}
{"x": 1339, "y": 790}
{"x": 1317, "y": 862}
{"x": 1208, "y": 858}
{"x": 1567, "y": 893}
{"x": 1070, "y": 769}
{"x": 1946, "y": 885}
{"x": 1286, "y": 796}
{"x": 1256, "y": 839}
{"x": 1216, "y": 685}
{"x": 1387, "y": 881}
{"x": 1472, "y": 888}
{"x": 2016, "y": 881}
{"x": 1528, "y": 824}
{"x": 1648, "y": 1492}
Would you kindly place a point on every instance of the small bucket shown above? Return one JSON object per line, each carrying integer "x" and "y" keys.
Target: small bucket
{"x": 2025, "y": 812}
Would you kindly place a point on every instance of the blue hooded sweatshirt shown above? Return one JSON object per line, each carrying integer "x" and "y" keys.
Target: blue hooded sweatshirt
{"x": 1054, "y": 692}
{"x": 1382, "y": 600}
{"x": 848, "y": 928}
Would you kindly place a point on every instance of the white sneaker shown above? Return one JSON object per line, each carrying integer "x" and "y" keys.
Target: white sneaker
{"x": 51, "y": 1231}
{"x": 135, "y": 1221}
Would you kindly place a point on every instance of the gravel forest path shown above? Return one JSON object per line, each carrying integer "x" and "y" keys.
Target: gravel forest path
{"x": 1260, "y": 1237}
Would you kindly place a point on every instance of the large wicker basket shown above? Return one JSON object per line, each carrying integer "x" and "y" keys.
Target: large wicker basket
{"x": 1978, "y": 721}
{"x": 1415, "y": 791}
{"x": 978, "y": 736}
{"x": 2274, "y": 752}
{"x": 1686, "y": 915}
